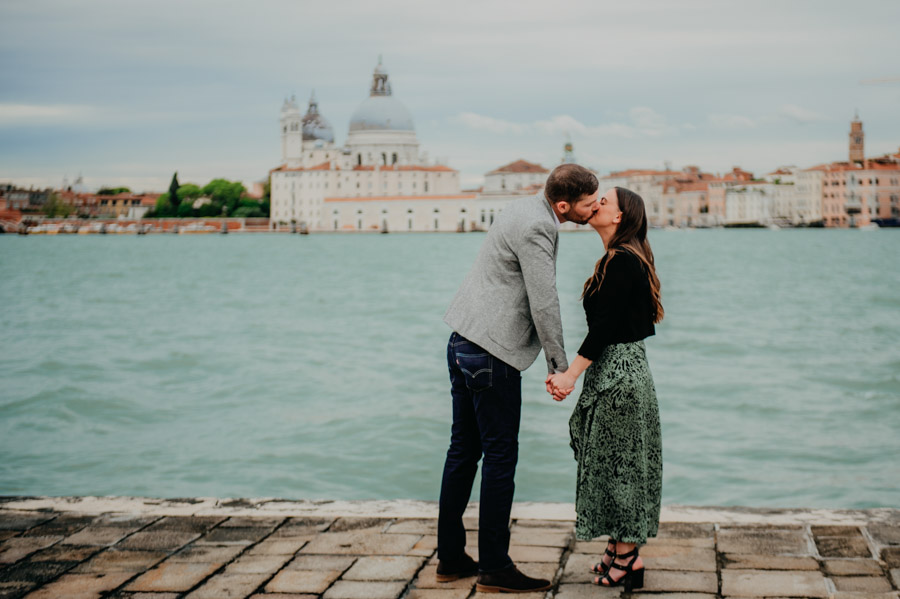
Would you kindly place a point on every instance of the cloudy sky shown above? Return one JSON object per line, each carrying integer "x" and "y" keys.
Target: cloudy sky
{"x": 126, "y": 92}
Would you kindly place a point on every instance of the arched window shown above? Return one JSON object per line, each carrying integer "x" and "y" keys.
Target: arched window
{"x": 384, "y": 158}
{"x": 359, "y": 160}
{"x": 394, "y": 158}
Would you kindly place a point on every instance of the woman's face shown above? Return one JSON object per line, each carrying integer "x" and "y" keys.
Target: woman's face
{"x": 608, "y": 215}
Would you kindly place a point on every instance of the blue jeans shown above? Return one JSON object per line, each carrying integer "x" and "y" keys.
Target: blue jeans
{"x": 487, "y": 404}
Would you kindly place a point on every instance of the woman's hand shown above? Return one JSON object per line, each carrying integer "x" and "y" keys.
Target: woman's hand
{"x": 560, "y": 385}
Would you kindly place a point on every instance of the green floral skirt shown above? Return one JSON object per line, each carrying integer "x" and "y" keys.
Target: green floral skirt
{"x": 616, "y": 437}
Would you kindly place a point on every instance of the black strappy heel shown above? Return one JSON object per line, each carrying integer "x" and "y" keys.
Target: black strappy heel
{"x": 633, "y": 579}
{"x": 601, "y": 568}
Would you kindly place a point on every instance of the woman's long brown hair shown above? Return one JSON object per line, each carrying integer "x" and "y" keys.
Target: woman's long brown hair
{"x": 630, "y": 235}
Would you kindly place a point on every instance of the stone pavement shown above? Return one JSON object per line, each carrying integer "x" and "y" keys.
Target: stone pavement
{"x": 270, "y": 549}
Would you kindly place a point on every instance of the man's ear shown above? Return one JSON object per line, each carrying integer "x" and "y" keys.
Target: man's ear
{"x": 563, "y": 206}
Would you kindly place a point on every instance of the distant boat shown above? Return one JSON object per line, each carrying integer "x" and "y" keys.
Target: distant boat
{"x": 887, "y": 222}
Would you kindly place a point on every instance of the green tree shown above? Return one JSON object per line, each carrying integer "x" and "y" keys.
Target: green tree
{"x": 211, "y": 209}
{"x": 55, "y": 207}
{"x": 163, "y": 208}
{"x": 112, "y": 191}
{"x": 173, "y": 190}
{"x": 225, "y": 193}
{"x": 248, "y": 208}
{"x": 189, "y": 192}
{"x": 185, "y": 209}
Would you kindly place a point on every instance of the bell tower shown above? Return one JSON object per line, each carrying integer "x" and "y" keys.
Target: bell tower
{"x": 291, "y": 132}
{"x": 857, "y": 140}
{"x": 568, "y": 152}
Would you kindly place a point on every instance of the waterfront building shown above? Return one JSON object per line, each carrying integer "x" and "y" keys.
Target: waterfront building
{"x": 378, "y": 179}
{"x": 25, "y": 199}
{"x": 860, "y": 191}
{"x": 515, "y": 176}
{"x": 648, "y": 184}
{"x": 673, "y": 198}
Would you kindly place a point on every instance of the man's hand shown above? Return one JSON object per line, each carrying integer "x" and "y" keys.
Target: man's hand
{"x": 559, "y": 385}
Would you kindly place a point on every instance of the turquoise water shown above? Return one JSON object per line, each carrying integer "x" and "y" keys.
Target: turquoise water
{"x": 313, "y": 367}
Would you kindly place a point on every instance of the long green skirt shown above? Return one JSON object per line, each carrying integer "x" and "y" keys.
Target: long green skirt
{"x": 616, "y": 437}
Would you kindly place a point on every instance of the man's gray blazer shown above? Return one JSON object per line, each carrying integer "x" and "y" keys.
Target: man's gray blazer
{"x": 508, "y": 302}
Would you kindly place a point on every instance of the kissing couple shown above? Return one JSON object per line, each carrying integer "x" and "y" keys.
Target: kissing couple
{"x": 505, "y": 312}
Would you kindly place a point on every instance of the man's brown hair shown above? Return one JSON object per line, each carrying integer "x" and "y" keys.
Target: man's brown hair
{"x": 569, "y": 183}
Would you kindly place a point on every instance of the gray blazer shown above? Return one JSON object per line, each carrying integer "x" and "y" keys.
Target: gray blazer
{"x": 508, "y": 302}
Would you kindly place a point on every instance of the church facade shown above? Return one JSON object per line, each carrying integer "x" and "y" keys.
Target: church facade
{"x": 379, "y": 180}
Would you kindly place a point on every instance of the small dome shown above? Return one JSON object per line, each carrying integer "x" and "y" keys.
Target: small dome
{"x": 316, "y": 126}
{"x": 381, "y": 111}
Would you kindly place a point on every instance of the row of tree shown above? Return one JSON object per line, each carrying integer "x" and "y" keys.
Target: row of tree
{"x": 219, "y": 197}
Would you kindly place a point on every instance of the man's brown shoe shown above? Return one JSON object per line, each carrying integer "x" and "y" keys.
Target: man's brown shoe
{"x": 509, "y": 580}
{"x": 448, "y": 571}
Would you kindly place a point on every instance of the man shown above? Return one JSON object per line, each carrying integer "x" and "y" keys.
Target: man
{"x": 506, "y": 310}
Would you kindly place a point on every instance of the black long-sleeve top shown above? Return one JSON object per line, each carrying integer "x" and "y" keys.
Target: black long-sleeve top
{"x": 621, "y": 310}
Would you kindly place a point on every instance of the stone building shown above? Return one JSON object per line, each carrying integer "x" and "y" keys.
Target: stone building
{"x": 365, "y": 183}
{"x": 862, "y": 190}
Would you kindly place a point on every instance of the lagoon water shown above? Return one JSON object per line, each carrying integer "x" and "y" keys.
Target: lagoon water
{"x": 314, "y": 366}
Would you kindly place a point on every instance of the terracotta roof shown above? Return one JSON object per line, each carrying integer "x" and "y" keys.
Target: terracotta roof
{"x": 439, "y": 168}
{"x": 519, "y": 166}
{"x": 680, "y": 187}
{"x": 326, "y": 166}
{"x": 465, "y": 196}
{"x": 637, "y": 172}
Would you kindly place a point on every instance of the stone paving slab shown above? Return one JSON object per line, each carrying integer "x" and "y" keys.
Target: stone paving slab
{"x": 385, "y": 568}
{"x": 229, "y": 586}
{"x": 117, "y": 560}
{"x": 767, "y": 583}
{"x": 80, "y": 586}
{"x": 18, "y": 548}
{"x": 346, "y": 589}
{"x": 768, "y": 562}
{"x": 276, "y": 549}
{"x": 302, "y": 581}
{"x": 173, "y": 576}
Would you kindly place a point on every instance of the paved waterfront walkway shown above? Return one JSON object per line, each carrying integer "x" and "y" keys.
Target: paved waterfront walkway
{"x": 271, "y": 549}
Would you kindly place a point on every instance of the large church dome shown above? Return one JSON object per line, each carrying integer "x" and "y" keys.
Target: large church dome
{"x": 381, "y": 111}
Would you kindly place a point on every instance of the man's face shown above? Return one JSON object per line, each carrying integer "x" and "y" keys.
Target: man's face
{"x": 581, "y": 211}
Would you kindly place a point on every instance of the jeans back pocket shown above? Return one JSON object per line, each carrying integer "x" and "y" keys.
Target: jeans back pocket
{"x": 478, "y": 369}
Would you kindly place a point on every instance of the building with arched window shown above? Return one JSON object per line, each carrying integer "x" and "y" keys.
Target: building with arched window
{"x": 379, "y": 162}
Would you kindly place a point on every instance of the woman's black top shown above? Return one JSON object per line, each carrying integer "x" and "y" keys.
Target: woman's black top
{"x": 621, "y": 310}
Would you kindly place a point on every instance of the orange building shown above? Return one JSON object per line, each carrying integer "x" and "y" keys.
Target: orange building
{"x": 861, "y": 191}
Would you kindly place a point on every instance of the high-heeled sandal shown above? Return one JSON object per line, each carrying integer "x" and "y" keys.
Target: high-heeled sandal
{"x": 633, "y": 579}
{"x": 602, "y": 568}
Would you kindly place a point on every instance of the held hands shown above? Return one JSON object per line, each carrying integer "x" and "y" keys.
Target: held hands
{"x": 559, "y": 385}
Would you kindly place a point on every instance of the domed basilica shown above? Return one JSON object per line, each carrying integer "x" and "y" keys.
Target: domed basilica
{"x": 358, "y": 185}
{"x": 378, "y": 180}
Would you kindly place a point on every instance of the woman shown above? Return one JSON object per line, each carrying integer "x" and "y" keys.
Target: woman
{"x": 615, "y": 426}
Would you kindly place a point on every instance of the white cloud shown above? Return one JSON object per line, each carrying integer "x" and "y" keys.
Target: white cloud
{"x": 643, "y": 122}
{"x": 731, "y": 121}
{"x": 799, "y": 114}
{"x": 36, "y": 114}
{"x": 485, "y": 123}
